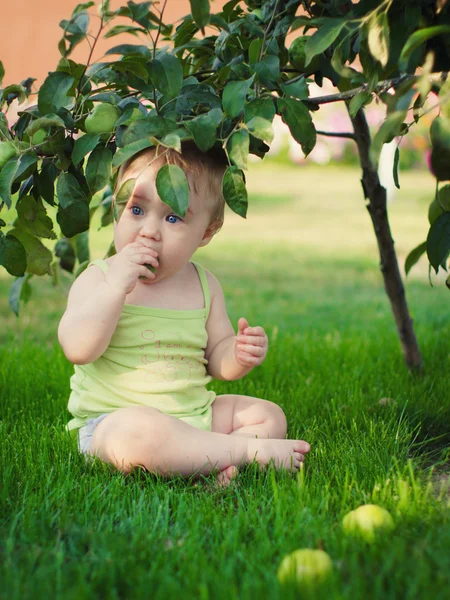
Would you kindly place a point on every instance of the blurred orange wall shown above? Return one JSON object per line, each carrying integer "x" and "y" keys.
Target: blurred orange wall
{"x": 30, "y": 32}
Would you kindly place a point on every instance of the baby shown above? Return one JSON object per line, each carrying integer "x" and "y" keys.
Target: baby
{"x": 146, "y": 344}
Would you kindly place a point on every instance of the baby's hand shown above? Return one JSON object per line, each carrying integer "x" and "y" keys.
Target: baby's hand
{"x": 251, "y": 344}
{"x": 129, "y": 264}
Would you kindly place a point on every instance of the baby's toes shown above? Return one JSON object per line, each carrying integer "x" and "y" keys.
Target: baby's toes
{"x": 299, "y": 457}
{"x": 302, "y": 447}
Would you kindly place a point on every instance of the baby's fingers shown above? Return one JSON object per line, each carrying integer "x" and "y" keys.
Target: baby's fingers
{"x": 256, "y": 351}
{"x": 254, "y": 340}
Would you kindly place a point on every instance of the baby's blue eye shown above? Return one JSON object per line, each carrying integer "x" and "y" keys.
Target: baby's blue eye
{"x": 172, "y": 219}
{"x": 135, "y": 210}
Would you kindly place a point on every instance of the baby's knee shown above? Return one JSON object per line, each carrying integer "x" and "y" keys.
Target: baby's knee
{"x": 128, "y": 437}
{"x": 277, "y": 416}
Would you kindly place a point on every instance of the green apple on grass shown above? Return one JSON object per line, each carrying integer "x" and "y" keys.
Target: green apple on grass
{"x": 305, "y": 567}
{"x": 102, "y": 119}
{"x": 367, "y": 521}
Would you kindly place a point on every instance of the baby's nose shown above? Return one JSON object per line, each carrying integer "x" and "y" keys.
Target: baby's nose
{"x": 150, "y": 229}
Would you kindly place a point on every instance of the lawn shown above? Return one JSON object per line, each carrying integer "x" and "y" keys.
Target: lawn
{"x": 304, "y": 265}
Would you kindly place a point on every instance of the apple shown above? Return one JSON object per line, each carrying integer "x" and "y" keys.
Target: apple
{"x": 7, "y": 151}
{"x": 366, "y": 521}
{"x": 102, "y": 119}
{"x": 305, "y": 567}
{"x": 297, "y": 56}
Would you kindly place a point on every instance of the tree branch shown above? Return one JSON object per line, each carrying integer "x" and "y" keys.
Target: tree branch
{"x": 383, "y": 86}
{"x": 341, "y": 134}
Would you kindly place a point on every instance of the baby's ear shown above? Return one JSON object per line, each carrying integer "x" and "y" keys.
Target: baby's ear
{"x": 210, "y": 232}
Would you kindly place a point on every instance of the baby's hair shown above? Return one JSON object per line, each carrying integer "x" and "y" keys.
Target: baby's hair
{"x": 204, "y": 172}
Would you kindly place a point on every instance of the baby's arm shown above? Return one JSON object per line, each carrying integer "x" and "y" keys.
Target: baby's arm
{"x": 231, "y": 356}
{"x": 96, "y": 300}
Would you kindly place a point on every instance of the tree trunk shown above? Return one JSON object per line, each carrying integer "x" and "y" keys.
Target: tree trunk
{"x": 376, "y": 205}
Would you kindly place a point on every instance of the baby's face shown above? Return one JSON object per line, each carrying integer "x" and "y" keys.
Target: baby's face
{"x": 147, "y": 218}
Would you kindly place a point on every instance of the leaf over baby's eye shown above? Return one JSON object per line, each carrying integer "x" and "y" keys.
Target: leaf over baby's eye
{"x": 173, "y": 188}
{"x": 125, "y": 191}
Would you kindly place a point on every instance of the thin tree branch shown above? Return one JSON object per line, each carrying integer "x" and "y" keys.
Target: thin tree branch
{"x": 341, "y": 134}
{"x": 381, "y": 87}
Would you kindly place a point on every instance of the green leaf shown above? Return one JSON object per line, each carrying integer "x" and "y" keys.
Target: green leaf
{"x": 83, "y": 145}
{"x": 82, "y": 7}
{"x": 18, "y": 91}
{"x": 25, "y": 162}
{"x": 444, "y": 197}
{"x": 4, "y": 128}
{"x": 98, "y": 169}
{"x": 261, "y": 129}
{"x": 200, "y": 13}
{"x": 166, "y": 73}
{"x": 238, "y": 148}
{"x": 118, "y": 29}
{"x": 173, "y": 141}
{"x": 127, "y": 49}
{"x": 296, "y": 116}
{"x": 7, "y": 175}
{"x": 20, "y": 291}
{"x": 12, "y": 255}
{"x": 73, "y": 210}
{"x": 39, "y": 257}
{"x": 260, "y": 107}
{"x": 378, "y": 38}
{"x": 417, "y": 39}
{"x": 414, "y": 256}
{"x": 2, "y": 72}
{"x": 204, "y": 128}
{"x": 65, "y": 252}
{"x": 33, "y": 218}
{"x": 254, "y": 50}
{"x": 234, "y": 96}
{"x": 323, "y": 38}
{"x": 359, "y": 100}
{"x": 438, "y": 241}
{"x": 148, "y": 127}
{"x": 234, "y": 191}
{"x": 44, "y": 123}
{"x": 387, "y": 132}
{"x": 268, "y": 69}
{"x": 395, "y": 168}
{"x": 123, "y": 195}
{"x": 46, "y": 182}
{"x": 123, "y": 154}
{"x": 173, "y": 188}
{"x": 297, "y": 89}
{"x": 53, "y": 93}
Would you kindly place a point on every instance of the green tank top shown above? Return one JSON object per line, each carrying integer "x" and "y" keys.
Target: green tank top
{"x": 156, "y": 358}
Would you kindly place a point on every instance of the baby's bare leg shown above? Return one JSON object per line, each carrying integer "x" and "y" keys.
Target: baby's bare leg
{"x": 247, "y": 416}
{"x": 141, "y": 436}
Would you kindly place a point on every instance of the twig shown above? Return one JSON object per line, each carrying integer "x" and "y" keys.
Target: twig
{"x": 350, "y": 136}
{"x": 382, "y": 86}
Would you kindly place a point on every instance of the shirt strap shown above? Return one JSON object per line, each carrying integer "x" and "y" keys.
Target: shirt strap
{"x": 205, "y": 287}
{"x": 99, "y": 262}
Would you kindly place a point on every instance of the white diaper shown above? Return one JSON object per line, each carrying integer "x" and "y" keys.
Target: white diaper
{"x": 85, "y": 433}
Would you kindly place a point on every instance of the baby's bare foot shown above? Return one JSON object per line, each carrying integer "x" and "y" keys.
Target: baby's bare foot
{"x": 286, "y": 454}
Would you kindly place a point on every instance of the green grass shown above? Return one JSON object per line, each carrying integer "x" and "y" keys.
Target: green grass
{"x": 304, "y": 265}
